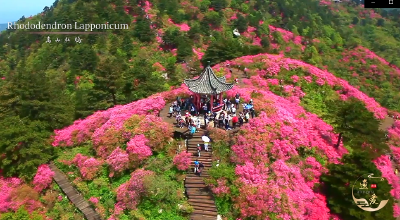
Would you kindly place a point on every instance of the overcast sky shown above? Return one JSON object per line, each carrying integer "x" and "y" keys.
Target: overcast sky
{"x": 12, "y": 10}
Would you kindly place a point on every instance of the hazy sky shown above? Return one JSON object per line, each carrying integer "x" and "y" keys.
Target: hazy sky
{"x": 12, "y": 10}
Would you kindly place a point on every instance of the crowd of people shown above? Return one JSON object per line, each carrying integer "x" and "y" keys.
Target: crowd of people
{"x": 228, "y": 118}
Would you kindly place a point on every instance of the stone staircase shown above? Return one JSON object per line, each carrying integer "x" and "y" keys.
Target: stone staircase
{"x": 199, "y": 195}
{"x": 73, "y": 195}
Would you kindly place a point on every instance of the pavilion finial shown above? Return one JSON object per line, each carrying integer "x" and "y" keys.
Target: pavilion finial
{"x": 208, "y": 63}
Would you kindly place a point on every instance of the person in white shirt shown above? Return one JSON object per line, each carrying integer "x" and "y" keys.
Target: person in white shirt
{"x": 206, "y": 146}
{"x": 225, "y": 100}
{"x": 233, "y": 110}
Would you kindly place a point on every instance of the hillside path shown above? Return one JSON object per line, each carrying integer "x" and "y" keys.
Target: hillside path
{"x": 199, "y": 194}
{"x": 73, "y": 195}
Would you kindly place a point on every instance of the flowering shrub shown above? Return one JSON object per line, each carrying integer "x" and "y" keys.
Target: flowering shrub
{"x": 43, "y": 177}
{"x": 221, "y": 188}
{"x": 88, "y": 167}
{"x": 394, "y": 134}
{"x": 7, "y": 185}
{"x": 130, "y": 193}
{"x": 218, "y": 135}
{"x": 385, "y": 166}
{"x": 260, "y": 196}
{"x": 94, "y": 200}
{"x": 97, "y": 124}
{"x": 138, "y": 149}
{"x": 118, "y": 161}
{"x": 171, "y": 95}
{"x": 182, "y": 160}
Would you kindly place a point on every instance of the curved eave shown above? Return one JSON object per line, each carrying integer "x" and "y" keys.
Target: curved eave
{"x": 200, "y": 90}
{"x": 208, "y": 83}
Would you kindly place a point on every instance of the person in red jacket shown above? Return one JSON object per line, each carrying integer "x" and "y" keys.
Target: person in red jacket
{"x": 234, "y": 121}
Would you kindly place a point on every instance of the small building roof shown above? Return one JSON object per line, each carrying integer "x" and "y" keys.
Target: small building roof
{"x": 208, "y": 83}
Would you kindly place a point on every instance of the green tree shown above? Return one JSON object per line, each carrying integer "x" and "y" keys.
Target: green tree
{"x": 222, "y": 50}
{"x": 380, "y": 22}
{"x": 142, "y": 81}
{"x": 107, "y": 82}
{"x": 241, "y": 23}
{"x": 218, "y": 5}
{"x": 184, "y": 48}
{"x": 193, "y": 33}
{"x": 263, "y": 30}
{"x": 340, "y": 179}
{"x": 171, "y": 37}
{"x": 214, "y": 18}
{"x": 311, "y": 55}
{"x": 355, "y": 20}
{"x": 356, "y": 126}
{"x": 265, "y": 42}
{"x": 25, "y": 145}
{"x": 142, "y": 30}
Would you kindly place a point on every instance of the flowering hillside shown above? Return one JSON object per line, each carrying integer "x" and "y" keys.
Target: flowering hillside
{"x": 294, "y": 144}
{"x": 110, "y": 155}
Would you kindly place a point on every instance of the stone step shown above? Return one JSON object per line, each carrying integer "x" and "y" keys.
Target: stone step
{"x": 204, "y": 207}
{"x": 206, "y": 213}
{"x": 194, "y": 149}
{"x": 203, "y": 152}
{"x": 201, "y": 197}
{"x": 197, "y": 141}
{"x": 192, "y": 175}
{"x": 195, "y": 185}
{"x": 198, "y": 191}
{"x": 201, "y": 158}
{"x": 193, "y": 179}
{"x": 202, "y": 217}
{"x": 204, "y": 201}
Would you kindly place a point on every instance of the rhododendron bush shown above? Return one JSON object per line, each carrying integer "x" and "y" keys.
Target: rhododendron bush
{"x": 89, "y": 167}
{"x": 182, "y": 160}
{"x": 118, "y": 161}
{"x": 7, "y": 185}
{"x": 121, "y": 128}
{"x": 96, "y": 125}
{"x": 43, "y": 177}
{"x": 138, "y": 149}
{"x": 130, "y": 193}
{"x": 15, "y": 194}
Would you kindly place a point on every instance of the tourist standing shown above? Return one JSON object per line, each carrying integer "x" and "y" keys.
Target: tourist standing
{"x": 234, "y": 121}
{"x": 253, "y": 112}
{"x": 196, "y": 166}
{"x": 233, "y": 110}
{"x": 225, "y": 100}
{"x": 237, "y": 100}
{"x": 171, "y": 110}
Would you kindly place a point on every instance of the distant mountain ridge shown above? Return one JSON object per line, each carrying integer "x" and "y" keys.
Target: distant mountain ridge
{"x": 3, "y": 26}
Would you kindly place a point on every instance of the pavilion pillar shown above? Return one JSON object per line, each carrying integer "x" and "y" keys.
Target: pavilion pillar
{"x": 195, "y": 100}
{"x": 220, "y": 98}
{"x": 212, "y": 101}
{"x": 198, "y": 101}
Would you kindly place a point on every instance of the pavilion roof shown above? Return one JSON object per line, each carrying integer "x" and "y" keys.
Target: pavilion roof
{"x": 208, "y": 83}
